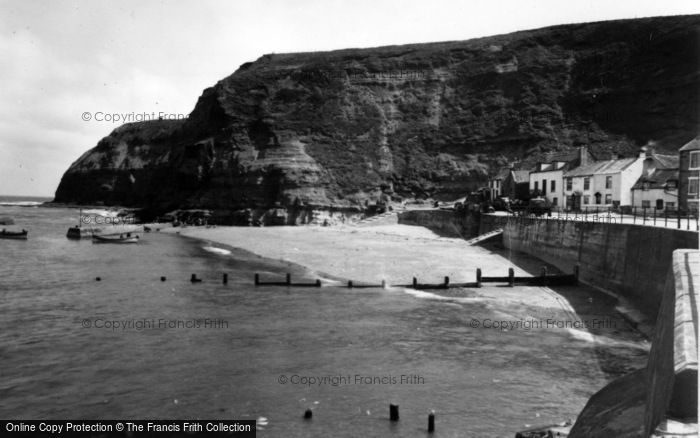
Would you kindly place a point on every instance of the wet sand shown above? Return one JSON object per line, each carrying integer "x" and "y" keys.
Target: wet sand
{"x": 395, "y": 253}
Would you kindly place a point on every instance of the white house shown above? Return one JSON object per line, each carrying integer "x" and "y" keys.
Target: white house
{"x": 657, "y": 187}
{"x": 603, "y": 183}
{"x": 548, "y": 177}
{"x": 657, "y": 190}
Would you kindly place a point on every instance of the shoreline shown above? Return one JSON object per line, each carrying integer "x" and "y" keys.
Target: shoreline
{"x": 394, "y": 253}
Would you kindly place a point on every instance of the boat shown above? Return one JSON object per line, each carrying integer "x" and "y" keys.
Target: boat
{"x": 115, "y": 238}
{"x": 17, "y": 235}
{"x": 78, "y": 232}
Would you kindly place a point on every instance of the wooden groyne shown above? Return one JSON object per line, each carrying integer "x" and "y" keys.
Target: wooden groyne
{"x": 544, "y": 279}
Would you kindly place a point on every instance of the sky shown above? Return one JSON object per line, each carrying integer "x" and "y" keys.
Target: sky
{"x": 66, "y": 66}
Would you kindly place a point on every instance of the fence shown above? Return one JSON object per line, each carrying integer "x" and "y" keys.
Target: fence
{"x": 673, "y": 218}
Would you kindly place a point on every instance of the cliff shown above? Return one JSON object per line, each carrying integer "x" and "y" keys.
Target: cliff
{"x": 343, "y": 129}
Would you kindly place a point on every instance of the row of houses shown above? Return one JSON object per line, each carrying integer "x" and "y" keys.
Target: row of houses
{"x": 576, "y": 180}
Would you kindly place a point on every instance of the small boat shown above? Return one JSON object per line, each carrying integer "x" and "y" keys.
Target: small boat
{"x": 115, "y": 238}
{"x": 17, "y": 235}
{"x": 78, "y": 232}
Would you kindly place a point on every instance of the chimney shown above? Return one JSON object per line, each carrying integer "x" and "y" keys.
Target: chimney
{"x": 643, "y": 152}
{"x": 582, "y": 156}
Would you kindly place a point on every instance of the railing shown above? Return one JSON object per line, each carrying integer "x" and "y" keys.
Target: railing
{"x": 650, "y": 216}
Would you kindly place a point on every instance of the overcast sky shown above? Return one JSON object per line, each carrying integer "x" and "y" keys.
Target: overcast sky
{"x": 60, "y": 59}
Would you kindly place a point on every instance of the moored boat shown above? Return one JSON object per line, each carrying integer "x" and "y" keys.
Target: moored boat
{"x": 115, "y": 238}
{"x": 17, "y": 235}
{"x": 78, "y": 232}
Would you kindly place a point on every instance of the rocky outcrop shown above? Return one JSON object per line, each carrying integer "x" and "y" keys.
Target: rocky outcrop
{"x": 345, "y": 129}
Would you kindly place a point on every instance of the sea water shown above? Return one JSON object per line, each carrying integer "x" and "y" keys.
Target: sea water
{"x": 131, "y": 346}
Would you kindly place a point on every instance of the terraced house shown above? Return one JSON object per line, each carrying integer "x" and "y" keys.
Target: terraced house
{"x": 546, "y": 179}
{"x": 689, "y": 176}
{"x": 605, "y": 183}
{"x": 657, "y": 187}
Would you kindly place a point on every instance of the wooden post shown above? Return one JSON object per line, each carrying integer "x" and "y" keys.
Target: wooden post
{"x": 678, "y": 210}
{"x": 478, "y": 277}
{"x": 415, "y": 283}
{"x": 431, "y": 421}
{"x": 225, "y": 279}
{"x": 393, "y": 412}
{"x": 318, "y": 282}
{"x": 162, "y": 278}
{"x": 308, "y": 414}
{"x": 349, "y": 284}
{"x": 383, "y": 284}
{"x": 511, "y": 277}
{"x": 543, "y": 274}
{"x": 289, "y": 279}
{"x": 257, "y": 279}
{"x": 447, "y": 282}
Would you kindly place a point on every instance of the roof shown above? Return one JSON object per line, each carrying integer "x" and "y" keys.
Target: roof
{"x": 553, "y": 157}
{"x": 502, "y": 174}
{"x": 601, "y": 167}
{"x": 692, "y": 145}
{"x": 657, "y": 179}
{"x": 521, "y": 176}
{"x": 666, "y": 161}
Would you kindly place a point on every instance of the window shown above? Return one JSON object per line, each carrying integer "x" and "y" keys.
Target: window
{"x": 569, "y": 201}
{"x": 659, "y": 204}
{"x": 536, "y": 186}
{"x": 586, "y": 183}
{"x": 608, "y": 198}
{"x": 694, "y": 160}
{"x": 555, "y": 201}
{"x": 544, "y": 186}
{"x": 553, "y": 186}
{"x": 586, "y": 199}
{"x": 646, "y": 204}
{"x": 693, "y": 186}
{"x": 608, "y": 182}
{"x": 598, "y": 198}
{"x": 569, "y": 184}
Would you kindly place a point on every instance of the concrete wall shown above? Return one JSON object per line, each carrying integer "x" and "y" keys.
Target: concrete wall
{"x": 449, "y": 223}
{"x": 634, "y": 405}
{"x": 631, "y": 260}
{"x": 673, "y": 361}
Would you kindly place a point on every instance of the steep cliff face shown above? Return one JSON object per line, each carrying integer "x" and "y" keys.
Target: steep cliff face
{"x": 345, "y": 128}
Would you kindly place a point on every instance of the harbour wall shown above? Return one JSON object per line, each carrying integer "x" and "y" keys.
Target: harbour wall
{"x": 447, "y": 223}
{"x": 642, "y": 402}
{"x": 630, "y": 260}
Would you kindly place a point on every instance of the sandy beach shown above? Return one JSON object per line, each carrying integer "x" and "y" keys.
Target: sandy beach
{"x": 392, "y": 252}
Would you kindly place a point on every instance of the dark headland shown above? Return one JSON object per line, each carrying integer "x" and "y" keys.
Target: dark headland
{"x": 291, "y": 134}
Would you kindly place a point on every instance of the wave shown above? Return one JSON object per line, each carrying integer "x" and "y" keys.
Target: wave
{"x": 431, "y": 296}
{"x": 584, "y": 336}
{"x": 216, "y": 250}
{"x": 20, "y": 203}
